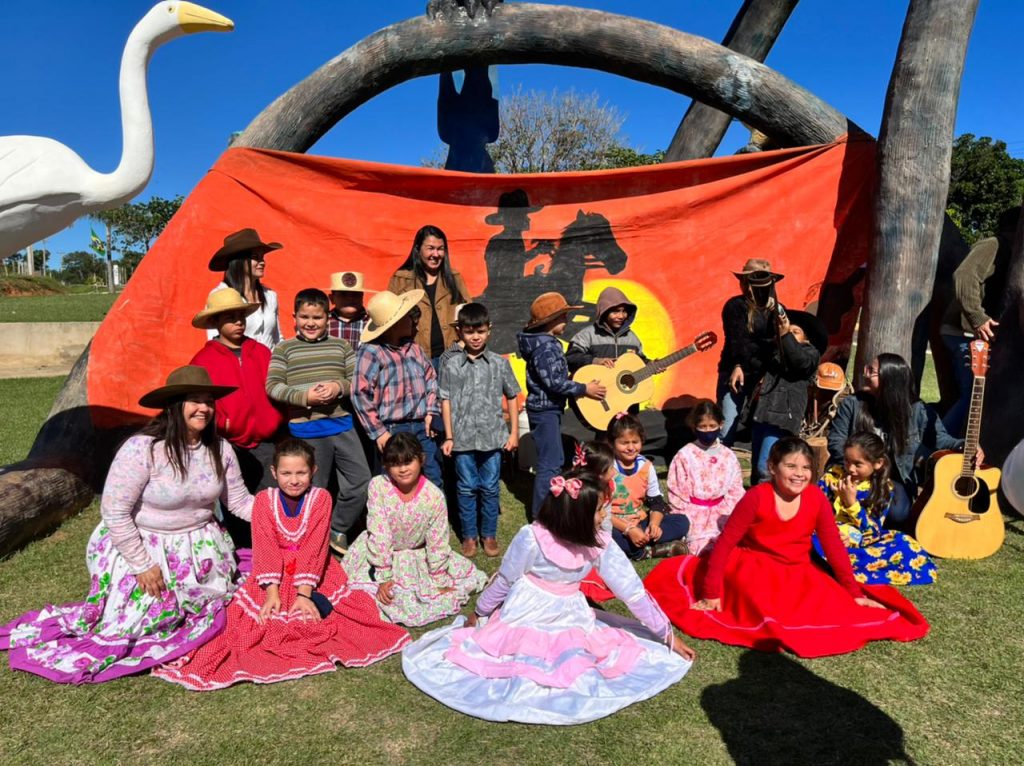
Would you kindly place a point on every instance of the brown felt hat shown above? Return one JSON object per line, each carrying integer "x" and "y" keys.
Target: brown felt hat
{"x": 220, "y": 302}
{"x": 546, "y": 307}
{"x": 190, "y": 379}
{"x": 758, "y": 273}
{"x": 242, "y": 242}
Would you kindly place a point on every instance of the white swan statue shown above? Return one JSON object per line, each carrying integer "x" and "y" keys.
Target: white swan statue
{"x": 44, "y": 186}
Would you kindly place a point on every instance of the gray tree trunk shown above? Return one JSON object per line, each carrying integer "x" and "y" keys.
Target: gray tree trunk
{"x": 753, "y": 33}
{"x": 914, "y": 151}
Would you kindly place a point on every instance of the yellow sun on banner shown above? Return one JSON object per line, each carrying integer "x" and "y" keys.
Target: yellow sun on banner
{"x": 652, "y": 324}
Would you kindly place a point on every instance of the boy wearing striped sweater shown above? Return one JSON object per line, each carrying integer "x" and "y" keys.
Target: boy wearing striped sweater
{"x": 310, "y": 373}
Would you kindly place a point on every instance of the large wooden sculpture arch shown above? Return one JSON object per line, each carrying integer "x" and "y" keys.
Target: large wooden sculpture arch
{"x": 526, "y": 33}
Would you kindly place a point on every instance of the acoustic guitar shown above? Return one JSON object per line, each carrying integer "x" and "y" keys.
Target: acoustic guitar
{"x": 629, "y": 382}
{"x": 960, "y": 516}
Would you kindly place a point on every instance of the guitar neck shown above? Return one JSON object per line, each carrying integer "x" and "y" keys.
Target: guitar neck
{"x": 653, "y": 369}
{"x": 973, "y": 426}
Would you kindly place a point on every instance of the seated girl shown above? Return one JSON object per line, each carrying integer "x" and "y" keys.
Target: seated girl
{"x": 861, "y": 492}
{"x": 533, "y": 651}
{"x": 759, "y": 587}
{"x": 162, "y": 568}
{"x": 404, "y": 556}
{"x": 705, "y": 480}
{"x": 640, "y": 525}
{"x": 295, "y": 616}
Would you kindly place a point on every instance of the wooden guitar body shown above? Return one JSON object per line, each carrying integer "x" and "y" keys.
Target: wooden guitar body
{"x": 960, "y": 518}
{"x": 623, "y": 390}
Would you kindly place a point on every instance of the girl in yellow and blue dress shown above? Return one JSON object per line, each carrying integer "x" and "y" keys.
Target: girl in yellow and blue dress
{"x": 860, "y": 491}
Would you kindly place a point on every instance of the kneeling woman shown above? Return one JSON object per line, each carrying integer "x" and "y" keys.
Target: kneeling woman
{"x": 759, "y": 587}
{"x": 162, "y": 568}
{"x": 538, "y": 653}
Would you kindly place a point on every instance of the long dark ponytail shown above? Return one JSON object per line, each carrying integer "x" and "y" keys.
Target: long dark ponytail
{"x": 890, "y": 409}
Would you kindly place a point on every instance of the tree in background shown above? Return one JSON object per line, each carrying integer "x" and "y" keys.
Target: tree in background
{"x": 984, "y": 180}
{"x": 81, "y": 266}
{"x": 136, "y": 225}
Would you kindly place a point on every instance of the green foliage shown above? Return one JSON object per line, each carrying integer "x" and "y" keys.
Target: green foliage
{"x": 79, "y": 266}
{"x": 75, "y": 306}
{"x": 984, "y": 180}
{"x": 628, "y": 157}
{"x": 135, "y": 226}
{"x": 22, "y": 285}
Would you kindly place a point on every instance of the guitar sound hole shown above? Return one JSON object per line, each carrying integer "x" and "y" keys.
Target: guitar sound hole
{"x": 627, "y": 382}
{"x": 966, "y": 486}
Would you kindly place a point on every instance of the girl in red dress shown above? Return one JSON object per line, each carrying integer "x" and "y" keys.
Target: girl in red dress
{"x": 759, "y": 586}
{"x": 296, "y": 615}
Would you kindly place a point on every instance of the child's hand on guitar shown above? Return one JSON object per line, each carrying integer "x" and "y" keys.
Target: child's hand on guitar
{"x": 604, "y": 361}
{"x": 979, "y": 457}
{"x": 596, "y": 390}
{"x": 848, "y": 491}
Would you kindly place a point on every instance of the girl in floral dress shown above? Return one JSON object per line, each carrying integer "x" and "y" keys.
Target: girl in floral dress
{"x": 295, "y": 616}
{"x": 162, "y": 568}
{"x": 404, "y": 557}
{"x": 532, "y": 650}
{"x": 704, "y": 480}
{"x": 861, "y": 494}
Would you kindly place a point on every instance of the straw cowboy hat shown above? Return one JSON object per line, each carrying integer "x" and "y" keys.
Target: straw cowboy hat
{"x": 243, "y": 241}
{"x": 190, "y": 379}
{"x": 385, "y": 308}
{"x": 546, "y": 307}
{"x": 220, "y": 302}
{"x": 348, "y": 282}
{"x": 510, "y": 203}
{"x": 758, "y": 273}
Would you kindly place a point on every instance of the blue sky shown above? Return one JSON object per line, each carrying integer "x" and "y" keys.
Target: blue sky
{"x": 60, "y": 60}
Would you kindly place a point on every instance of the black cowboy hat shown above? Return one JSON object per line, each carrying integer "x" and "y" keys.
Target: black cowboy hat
{"x": 813, "y": 328}
{"x": 242, "y": 242}
{"x": 508, "y": 201}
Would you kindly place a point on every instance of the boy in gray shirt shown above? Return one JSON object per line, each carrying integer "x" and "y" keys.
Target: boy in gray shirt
{"x": 473, "y": 383}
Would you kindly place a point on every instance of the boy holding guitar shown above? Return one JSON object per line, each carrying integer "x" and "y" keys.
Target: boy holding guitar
{"x": 610, "y": 336}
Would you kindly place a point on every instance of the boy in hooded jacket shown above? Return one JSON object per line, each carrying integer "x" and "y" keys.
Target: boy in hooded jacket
{"x": 610, "y": 336}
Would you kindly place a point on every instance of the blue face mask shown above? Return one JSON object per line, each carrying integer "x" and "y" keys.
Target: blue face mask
{"x": 708, "y": 438}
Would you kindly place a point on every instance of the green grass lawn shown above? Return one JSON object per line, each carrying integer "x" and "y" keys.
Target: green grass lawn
{"x": 955, "y": 697}
{"x": 24, "y": 404}
{"x": 70, "y": 307}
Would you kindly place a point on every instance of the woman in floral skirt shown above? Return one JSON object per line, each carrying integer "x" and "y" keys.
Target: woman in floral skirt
{"x": 162, "y": 569}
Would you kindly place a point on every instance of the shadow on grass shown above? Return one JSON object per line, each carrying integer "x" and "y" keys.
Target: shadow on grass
{"x": 779, "y": 712}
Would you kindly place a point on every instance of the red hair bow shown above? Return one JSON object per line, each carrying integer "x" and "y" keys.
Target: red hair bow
{"x": 579, "y": 457}
{"x": 572, "y": 486}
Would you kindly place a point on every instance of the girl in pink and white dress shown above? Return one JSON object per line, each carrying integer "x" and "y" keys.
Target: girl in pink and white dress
{"x": 533, "y": 651}
{"x": 705, "y": 480}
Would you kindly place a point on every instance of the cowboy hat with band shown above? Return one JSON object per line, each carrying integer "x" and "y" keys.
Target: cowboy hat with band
{"x": 221, "y": 302}
{"x": 385, "y": 309}
{"x": 757, "y": 272}
{"x": 243, "y": 243}
{"x": 547, "y": 307}
{"x": 348, "y": 282}
{"x": 190, "y": 379}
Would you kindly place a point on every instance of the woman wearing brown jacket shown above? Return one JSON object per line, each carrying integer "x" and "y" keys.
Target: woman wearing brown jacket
{"x": 428, "y": 268}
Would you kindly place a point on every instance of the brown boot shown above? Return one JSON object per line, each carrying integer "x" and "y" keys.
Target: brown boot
{"x": 469, "y": 547}
{"x": 667, "y": 550}
{"x": 491, "y": 547}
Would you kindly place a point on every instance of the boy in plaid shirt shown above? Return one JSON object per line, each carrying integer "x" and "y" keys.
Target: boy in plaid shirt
{"x": 395, "y": 387}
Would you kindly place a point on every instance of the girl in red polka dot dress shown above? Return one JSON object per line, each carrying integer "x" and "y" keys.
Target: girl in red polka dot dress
{"x": 296, "y": 615}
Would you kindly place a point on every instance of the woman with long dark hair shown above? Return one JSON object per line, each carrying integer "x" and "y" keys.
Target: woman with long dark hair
{"x": 243, "y": 261}
{"x": 888, "y": 405}
{"x": 162, "y": 568}
{"x": 428, "y": 268}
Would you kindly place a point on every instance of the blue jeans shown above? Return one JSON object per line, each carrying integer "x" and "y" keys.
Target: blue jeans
{"x": 674, "y": 526}
{"x": 431, "y": 454}
{"x": 960, "y": 357}
{"x": 762, "y": 437}
{"x": 732, "y": 405}
{"x": 546, "y": 428}
{"x": 478, "y": 475}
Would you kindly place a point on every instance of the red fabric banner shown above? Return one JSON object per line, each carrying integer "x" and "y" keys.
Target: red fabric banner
{"x": 669, "y": 236}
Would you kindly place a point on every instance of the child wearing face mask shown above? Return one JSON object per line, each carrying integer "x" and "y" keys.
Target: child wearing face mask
{"x": 705, "y": 480}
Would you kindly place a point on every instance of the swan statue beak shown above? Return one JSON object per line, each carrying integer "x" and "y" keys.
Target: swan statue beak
{"x": 194, "y": 18}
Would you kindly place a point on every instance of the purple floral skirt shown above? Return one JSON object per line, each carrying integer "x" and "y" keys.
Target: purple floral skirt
{"x": 118, "y": 630}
